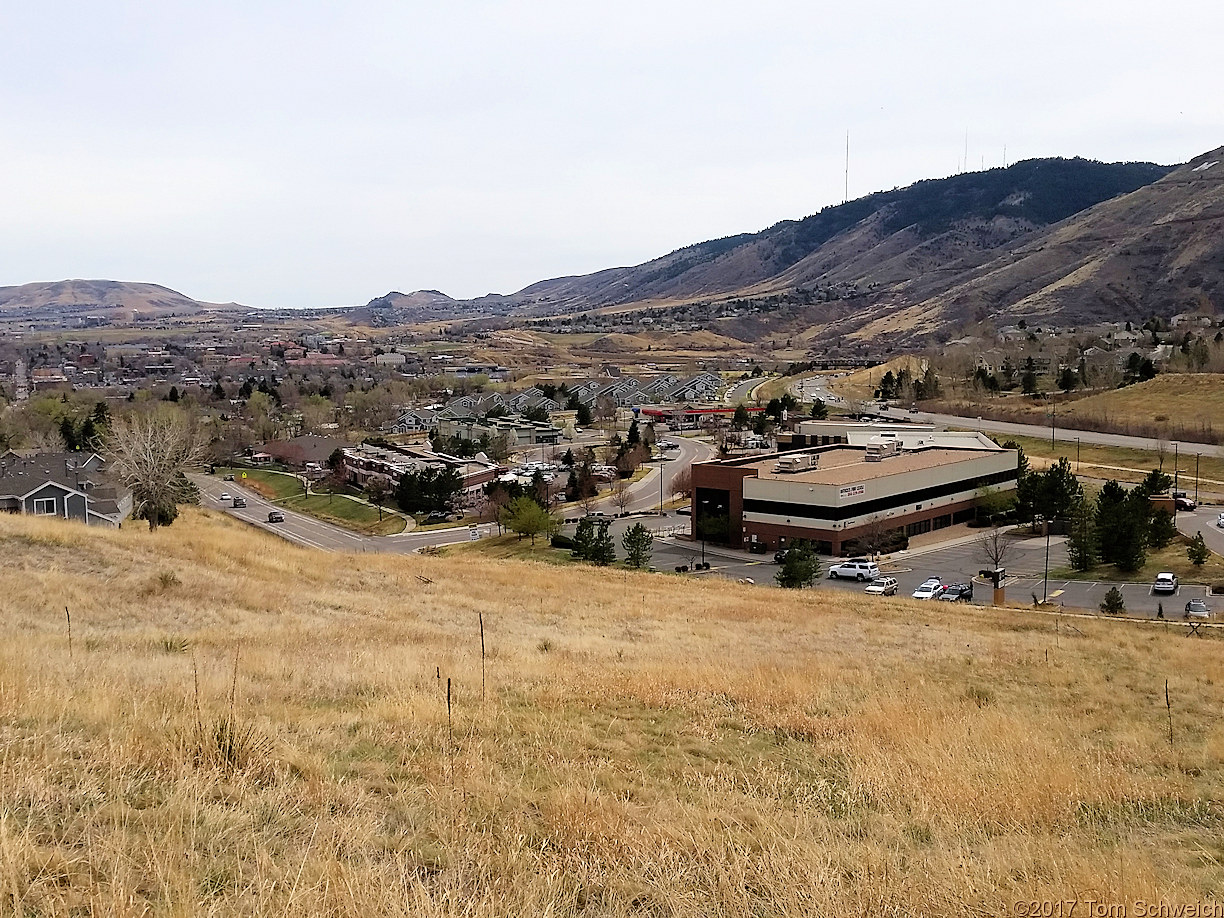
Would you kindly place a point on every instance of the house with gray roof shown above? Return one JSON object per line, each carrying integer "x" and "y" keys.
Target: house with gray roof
{"x": 65, "y": 485}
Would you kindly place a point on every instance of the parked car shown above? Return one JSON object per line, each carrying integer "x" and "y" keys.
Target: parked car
{"x": 1165, "y": 583}
{"x": 929, "y": 589}
{"x": 1183, "y": 503}
{"x": 239, "y": 501}
{"x": 780, "y": 555}
{"x": 1197, "y": 608}
{"x": 225, "y": 495}
{"x": 882, "y": 586}
{"x": 859, "y": 569}
{"x": 275, "y": 516}
{"x": 957, "y": 591}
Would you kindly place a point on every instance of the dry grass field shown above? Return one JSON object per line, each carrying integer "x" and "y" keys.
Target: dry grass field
{"x": 243, "y": 727}
{"x": 1176, "y": 406}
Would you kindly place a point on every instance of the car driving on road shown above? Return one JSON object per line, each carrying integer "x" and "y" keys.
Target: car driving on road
{"x": 225, "y": 496}
{"x": 275, "y": 516}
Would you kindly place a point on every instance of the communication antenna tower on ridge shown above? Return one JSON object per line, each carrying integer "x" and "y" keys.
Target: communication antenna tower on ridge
{"x": 846, "y": 193}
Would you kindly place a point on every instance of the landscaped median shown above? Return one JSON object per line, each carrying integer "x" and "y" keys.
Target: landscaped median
{"x": 286, "y": 489}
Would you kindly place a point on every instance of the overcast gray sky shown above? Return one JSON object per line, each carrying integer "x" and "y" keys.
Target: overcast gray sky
{"x": 315, "y": 153}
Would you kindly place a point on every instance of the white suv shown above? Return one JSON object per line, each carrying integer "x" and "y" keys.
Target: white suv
{"x": 1165, "y": 583}
{"x": 859, "y": 569}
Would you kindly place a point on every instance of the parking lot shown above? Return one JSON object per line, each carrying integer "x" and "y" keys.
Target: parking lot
{"x": 958, "y": 561}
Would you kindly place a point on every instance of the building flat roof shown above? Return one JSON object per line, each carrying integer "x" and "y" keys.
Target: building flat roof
{"x": 841, "y": 465}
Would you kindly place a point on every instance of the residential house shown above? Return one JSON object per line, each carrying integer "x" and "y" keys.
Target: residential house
{"x": 67, "y": 485}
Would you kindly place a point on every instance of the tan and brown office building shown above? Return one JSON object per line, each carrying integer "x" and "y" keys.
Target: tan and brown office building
{"x": 917, "y": 481}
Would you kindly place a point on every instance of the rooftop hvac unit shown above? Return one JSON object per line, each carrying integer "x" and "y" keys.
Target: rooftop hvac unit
{"x": 879, "y": 449}
{"x": 799, "y": 463}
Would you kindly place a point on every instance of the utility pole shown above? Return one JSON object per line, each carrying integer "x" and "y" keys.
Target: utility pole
{"x": 1053, "y": 416}
{"x": 1196, "y": 470}
{"x": 1045, "y": 581}
{"x": 846, "y": 194}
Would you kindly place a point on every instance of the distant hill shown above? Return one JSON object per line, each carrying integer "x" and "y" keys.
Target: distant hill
{"x": 880, "y": 241}
{"x": 117, "y": 300}
{"x": 1157, "y": 250}
{"x": 397, "y": 308}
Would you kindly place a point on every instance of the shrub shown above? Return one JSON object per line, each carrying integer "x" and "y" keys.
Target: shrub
{"x": 1113, "y": 604}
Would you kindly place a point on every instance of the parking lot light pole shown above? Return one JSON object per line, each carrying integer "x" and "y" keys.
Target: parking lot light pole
{"x": 1045, "y": 582}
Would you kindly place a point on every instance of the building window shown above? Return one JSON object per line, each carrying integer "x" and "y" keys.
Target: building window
{"x": 44, "y": 506}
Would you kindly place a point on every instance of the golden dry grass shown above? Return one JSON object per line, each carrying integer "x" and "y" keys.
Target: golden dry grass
{"x": 645, "y": 746}
{"x": 861, "y": 384}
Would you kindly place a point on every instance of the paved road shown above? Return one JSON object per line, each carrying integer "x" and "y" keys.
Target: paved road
{"x": 645, "y": 492}
{"x": 742, "y": 391}
{"x": 1066, "y": 434}
{"x": 314, "y": 533}
{"x": 1206, "y": 521}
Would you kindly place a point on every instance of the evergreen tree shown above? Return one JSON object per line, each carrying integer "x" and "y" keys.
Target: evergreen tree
{"x": 888, "y": 386}
{"x": 584, "y": 538}
{"x": 1081, "y": 538}
{"x": 1161, "y": 530}
{"x": 1133, "y": 538}
{"x": 1068, "y": 379}
{"x": 819, "y": 411}
{"x": 634, "y": 437}
{"x": 603, "y": 550}
{"x": 1196, "y": 551}
{"x": 800, "y": 568}
{"x": 1028, "y": 379}
{"x": 583, "y": 418}
{"x": 638, "y": 542}
{"x": 1113, "y": 604}
{"x": 930, "y": 384}
{"x": 1109, "y": 520}
{"x": 68, "y": 434}
{"x": 739, "y": 420}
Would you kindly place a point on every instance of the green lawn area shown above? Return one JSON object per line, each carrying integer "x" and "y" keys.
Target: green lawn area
{"x": 346, "y": 512}
{"x": 1170, "y": 558}
{"x": 511, "y": 546}
{"x": 266, "y": 483}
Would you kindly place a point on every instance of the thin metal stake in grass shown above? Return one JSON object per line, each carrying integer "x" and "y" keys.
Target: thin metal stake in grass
{"x": 1169, "y": 708}
{"x": 68, "y": 616}
{"x": 450, "y": 733}
{"x": 480, "y": 618}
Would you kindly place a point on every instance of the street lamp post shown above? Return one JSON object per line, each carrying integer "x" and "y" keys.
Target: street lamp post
{"x": 1045, "y": 581}
{"x": 662, "y": 473}
{"x": 1077, "y": 454}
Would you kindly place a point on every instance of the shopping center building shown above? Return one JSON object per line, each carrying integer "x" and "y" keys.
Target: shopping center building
{"x": 877, "y": 478}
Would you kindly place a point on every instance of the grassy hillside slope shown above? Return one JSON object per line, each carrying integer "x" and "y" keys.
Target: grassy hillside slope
{"x": 246, "y": 727}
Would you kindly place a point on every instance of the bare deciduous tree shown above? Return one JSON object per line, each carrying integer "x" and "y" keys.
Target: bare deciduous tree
{"x": 150, "y": 453}
{"x": 996, "y": 547}
{"x": 621, "y": 495}
{"x": 682, "y": 482}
